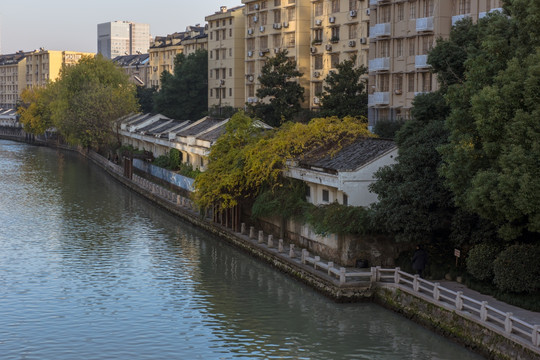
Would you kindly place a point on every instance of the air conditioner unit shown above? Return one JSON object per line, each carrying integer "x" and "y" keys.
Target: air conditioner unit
{"x": 221, "y": 82}
{"x": 250, "y": 100}
{"x": 313, "y": 49}
{"x": 251, "y": 78}
{"x": 352, "y": 13}
{"x": 368, "y": 12}
{"x": 256, "y": 6}
{"x": 318, "y": 22}
{"x": 316, "y": 100}
{"x": 316, "y": 74}
{"x": 328, "y": 47}
{"x": 331, "y": 19}
{"x": 277, "y": 26}
{"x": 352, "y": 43}
{"x": 255, "y": 19}
{"x": 285, "y": 24}
{"x": 261, "y": 53}
{"x": 276, "y": 50}
{"x": 261, "y": 29}
{"x": 363, "y": 40}
{"x": 250, "y": 31}
{"x": 250, "y": 53}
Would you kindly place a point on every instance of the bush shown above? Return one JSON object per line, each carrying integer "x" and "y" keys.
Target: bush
{"x": 480, "y": 261}
{"x": 517, "y": 269}
{"x": 174, "y": 159}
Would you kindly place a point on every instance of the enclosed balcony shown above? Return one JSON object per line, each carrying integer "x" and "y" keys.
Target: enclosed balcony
{"x": 424, "y": 24}
{"x": 379, "y": 64}
{"x": 457, "y": 18}
{"x": 420, "y": 62}
{"x": 379, "y": 30}
{"x": 379, "y": 98}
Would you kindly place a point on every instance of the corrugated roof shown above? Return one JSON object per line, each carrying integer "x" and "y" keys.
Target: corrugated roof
{"x": 351, "y": 157}
{"x": 202, "y": 125}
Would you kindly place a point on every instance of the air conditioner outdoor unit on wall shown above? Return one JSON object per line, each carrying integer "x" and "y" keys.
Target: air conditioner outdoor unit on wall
{"x": 352, "y": 43}
{"x": 316, "y": 74}
{"x": 316, "y": 100}
{"x": 250, "y": 31}
{"x": 318, "y": 22}
{"x": 328, "y": 47}
{"x": 331, "y": 19}
{"x": 352, "y": 13}
{"x": 363, "y": 40}
{"x": 285, "y": 24}
{"x": 313, "y": 49}
{"x": 256, "y": 6}
{"x": 261, "y": 29}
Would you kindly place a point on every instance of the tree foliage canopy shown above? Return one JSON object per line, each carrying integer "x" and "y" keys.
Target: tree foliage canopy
{"x": 184, "y": 95}
{"x": 345, "y": 91}
{"x": 280, "y": 93}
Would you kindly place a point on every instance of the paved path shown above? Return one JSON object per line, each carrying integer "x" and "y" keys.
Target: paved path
{"x": 531, "y": 317}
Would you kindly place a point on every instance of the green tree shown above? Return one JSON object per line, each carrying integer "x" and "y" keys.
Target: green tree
{"x": 280, "y": 93}
{"x": 345, "y": 91}
{"x": 145, "y": 98}
{"x": 90, "y": 97}
{"x": 35, "y": 109}
{"x": 184, "y": 95}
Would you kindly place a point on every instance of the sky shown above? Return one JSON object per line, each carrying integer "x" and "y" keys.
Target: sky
{"x": 72, "y": 24}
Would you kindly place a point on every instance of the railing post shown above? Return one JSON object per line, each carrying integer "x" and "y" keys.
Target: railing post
{"x": 305, "y": 254}
{"x": 317, "y": 258}
{"x": 415, "y": 283}
{"x": 330, "y": 266}
{"x": 280, "y": 245}
{"x": 251, "y": 232}
{"x": 483, "y": 311}
{"x": 261, "y": 237}
{"x": 535, "y": 336}
{"x": 378, "y": 274}
{"x": 243, "y": 228}
{"x": 436, "y": 291}
{"x": 459, "y": 300}
{"x": 291, "y": 251}
{"x": 270, "y": 241}
{"x": 373, "y": 274}
{"x": 342, "y": 275}
{"x": 508, "y": 323}
{"x": 396, "y": 275}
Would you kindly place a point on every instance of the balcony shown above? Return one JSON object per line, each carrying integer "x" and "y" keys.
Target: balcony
{"x": 484, "y": 13}
{"x": 379, "y": 98}
{"x": 373, "y": 2}
{"x": 379, "y": 30}
{"x": 457, "y": 18}
{"x": 420, "y": 62}
{"x": 379, "y": 64}
{"x": 424, "y": 24}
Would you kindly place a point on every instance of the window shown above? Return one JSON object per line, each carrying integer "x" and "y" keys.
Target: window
{"x": 211, "y": 35}
{"x": 250, "y": 44}
{"x": 318, "y": 60}
{"x": 426, "y": 81}
{"x": 318, "y": 88}
{"x": 263, "y": 5}
{"x": 277, "y": 16}
{"x": 335, "y": 34}
{"x": 412, "y": 10}
{"x": 230, "y": 32}
{"x": 398, "y": 83}
{"x": 224, "y": 72}
{"x": 230, "y": 72}
{"x": 264, "y": 42}
{"x": 250, "y": 67}
{"x": 263, "y": 18}
{"x": 230, "y": 92}
{"x": 318, "y": 8}
{"x": 352, "y": 31}
{"x": 289, "y": 40}
{"x": 325, "y": 196}
{"x": 345, "y": 200}
{"x": 317, "y": 35}
{"x": 427, "y": 44}
{"x": 385, "y": 14}
{"x": 276, "y": 40}
{"x": 353, "y": 5}
{"x": 401, "y": 11}
{"x": 384, "y": 82}
{"x": 412, "y": 50}
{"x": 464, "y": 6}
{"x": 428, "y": 8}
{"x": 334, "y": 60}
{"x": 277, "y": 2}
{"x": 410, "y": 78}
{"x": 230, "y": 52}
{"x": 250, "y": 90}
{"x": 399, "y": 47}
{"x": 291, "y": 14}
{"x": 384, "y": 48}
{"x": 335, "y": 6}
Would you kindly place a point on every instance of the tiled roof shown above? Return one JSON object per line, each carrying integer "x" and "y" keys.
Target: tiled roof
{"x": 351, "y": 157}
{"x": 199, "y": 126}
{"x": 131, "y": 60}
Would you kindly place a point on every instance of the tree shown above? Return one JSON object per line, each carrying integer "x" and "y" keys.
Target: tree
{"x": 414, "y": 204}
{"x": 184, "y": 95}
{"x": 90, "y": 97}
{"x": 345, "y": 91}
{"x": 145, "y": 98}
{"x": 280, "y": 93}
{"x": 34, "y": 109}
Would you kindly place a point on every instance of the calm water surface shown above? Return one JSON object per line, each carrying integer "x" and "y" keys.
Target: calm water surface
{"x": 89, "y": 270}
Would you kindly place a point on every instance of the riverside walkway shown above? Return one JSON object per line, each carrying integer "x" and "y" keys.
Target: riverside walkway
{"x": 515, "y": 324}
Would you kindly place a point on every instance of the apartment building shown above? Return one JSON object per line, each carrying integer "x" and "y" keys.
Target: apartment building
{"x": 339, "y": 31}
{"x": 137, "y": 67}
{"x": 43, "y": 65}
{"x": 12, "y": 78}
{"x": 118, "y": 38}
{"x": 199, "y": 41}
{"x": 273, "y": 25}
{"x": 401, "y": 35}
{"x": 226, "y": 44}
{"x": 164, "y": 49}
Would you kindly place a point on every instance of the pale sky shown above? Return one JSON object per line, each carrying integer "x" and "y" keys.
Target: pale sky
{"x": 72, "y": 24}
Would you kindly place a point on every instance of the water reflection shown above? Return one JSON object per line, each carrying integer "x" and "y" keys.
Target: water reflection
{"x": 90, "y": 270}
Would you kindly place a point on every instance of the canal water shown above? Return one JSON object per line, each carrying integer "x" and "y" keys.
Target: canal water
{"x": 90, "y": 270}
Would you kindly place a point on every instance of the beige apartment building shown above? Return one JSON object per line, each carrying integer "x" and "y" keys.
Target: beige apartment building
{"x": 273, "y": 25}
{"x": 43, "y": 65}
{"x": 226, "y": 53}
{"x": 401, "y": 35}
{"x": 12, "y": 78}
{"x": 339, "y": 31}
{"x": 164, "y": 49}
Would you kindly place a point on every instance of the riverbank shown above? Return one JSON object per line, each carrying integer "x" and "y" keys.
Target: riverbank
{"x": 448, "y": 320}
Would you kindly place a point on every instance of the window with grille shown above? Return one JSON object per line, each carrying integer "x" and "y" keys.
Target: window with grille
{"x": 335, "y": 6}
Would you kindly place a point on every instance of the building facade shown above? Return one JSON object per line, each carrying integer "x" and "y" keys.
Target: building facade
{"x": 137, "y": 67}
{"x": 226, "y": 44}
{"x": 401, "y": 35}
{"x": 339, "y": 31}
{"x": 118, "y": 38}
{"x": 271, "y": 26}
{"x": 43, "y": 65}
{"x": 12, "y": 78}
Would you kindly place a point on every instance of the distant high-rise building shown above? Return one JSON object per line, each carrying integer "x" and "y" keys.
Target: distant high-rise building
{"x": 123, "y": 38}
